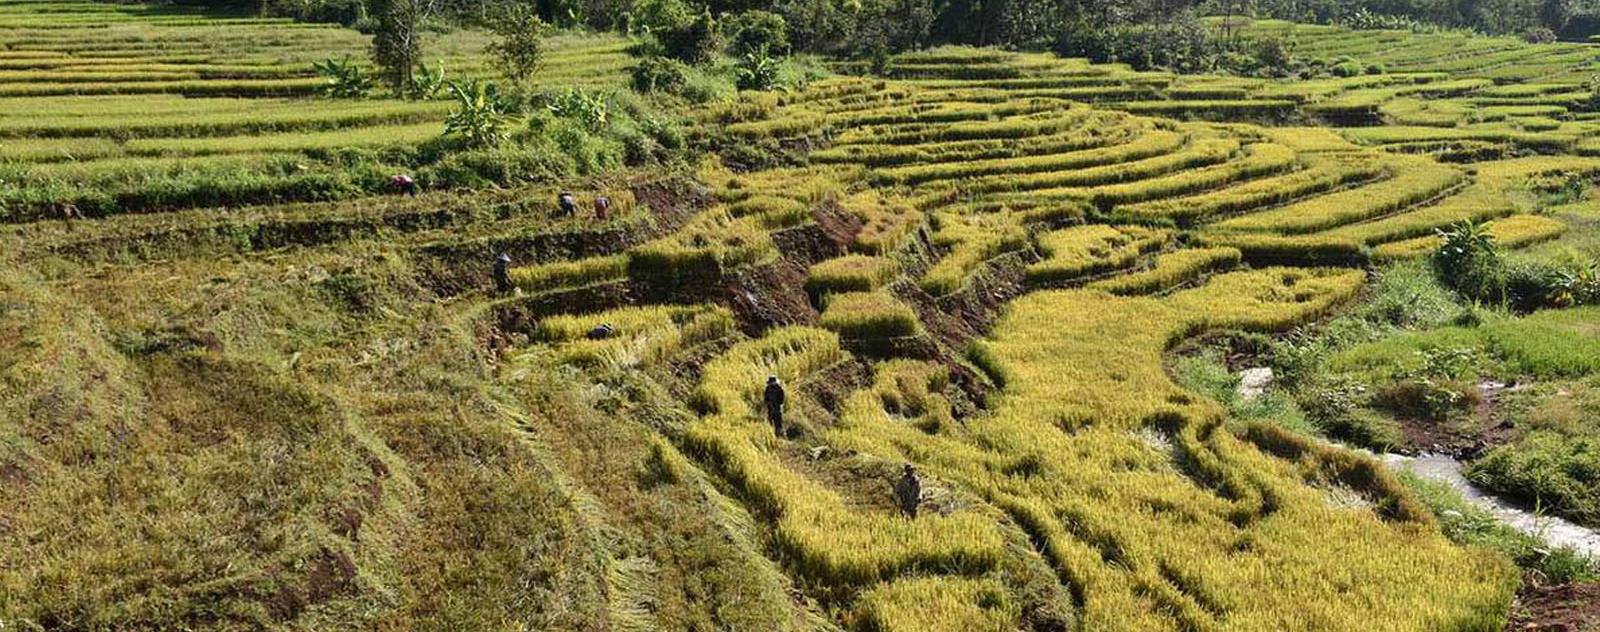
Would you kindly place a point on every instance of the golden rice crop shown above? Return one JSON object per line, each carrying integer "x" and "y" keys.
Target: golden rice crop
{"x": 872, "y": 315}
{"x": 1511, "y": 232}
{"x": 1322, "y": 172}
{"x": 1411, "y": 181}
{"x": 1080, "y": 251}
{"x": 641, "y": 334}
{"x": 851, "y": 273}
{"x": 1171, "y": 270}
{"x": 826, "y": 540}
{"x": 563, "y": 275}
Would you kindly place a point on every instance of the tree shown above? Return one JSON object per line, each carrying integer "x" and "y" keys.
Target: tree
{"x": 397, "y": 40}
{"x": 479, "y": 119}
{"x": 518, "y": 46}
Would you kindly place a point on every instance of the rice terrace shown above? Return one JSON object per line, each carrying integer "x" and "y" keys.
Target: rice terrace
{"x": 876, "y": 315}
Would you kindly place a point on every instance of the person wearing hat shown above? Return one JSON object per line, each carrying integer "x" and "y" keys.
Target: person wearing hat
{"x": 404, "y": 184}
{"x": 502, "y": 273}
{"x": 602, "y": 207}
{"x": 774, "y": 398}
{"x": 567, "y": 203}
{"x": 908, "y": 491}
{"x": 601, "y": 332}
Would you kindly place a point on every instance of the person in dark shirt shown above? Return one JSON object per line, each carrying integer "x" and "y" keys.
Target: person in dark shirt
{"x": 908, "y": 491}
{"x": 774, "y": 398}
{"x": 502, "y": 273}
{"x": 567, "y": 203}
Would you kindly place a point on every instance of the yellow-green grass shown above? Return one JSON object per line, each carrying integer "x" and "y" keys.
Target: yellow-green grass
{"x": 971, "y": 241}
{"x": 935, "y": 603}
{"x": 640, "y": 334}
{"x": 1198, "y": 153}
{"x": 1410, "y": 181}
{"x": 708, "y": 246}
{"x": 1478, "y": 201}
{"x": 220, "y": 117}
{"x": 1147, "y": 145}
{"x": 887, "y": 221}
{"x": 1171, "y": 270}
{"x": 1148, "y": 531}
{"x": 1074, "y": 253}
{"x": 824, "y": 539}
{"x": 871, "y": 315}
{"x": 1317, "y": 249}
{"x": 1258, "y": 159}
{"x": 1512, "y": 232}
{"x": 1322, "y": 173}
{"x": 563, "y": 275}
{"x": 851, "y": 273}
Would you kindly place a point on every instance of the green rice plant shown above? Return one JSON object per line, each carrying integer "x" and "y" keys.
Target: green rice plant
{"x": 851, "y": 273}
{"x": 887, "y": 155}
{"x": 566, "y": 275}
{"x": 1550, "y": 343}
{"x": 1411, "y": 181}
{"x": 1171, "y": 270}
{"x": 1074, "y": 253}
{"x": 375, "y": 136}
{"x": 1017, "y": 127}
{"x": 219, "y": 118}
{"x": 1388, "y": 134}
{"x": 1210, "y": 109}
{"x": 874, "y": 315}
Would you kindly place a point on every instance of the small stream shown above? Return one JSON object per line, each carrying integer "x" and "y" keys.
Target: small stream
{"x": 1554, "y": 530}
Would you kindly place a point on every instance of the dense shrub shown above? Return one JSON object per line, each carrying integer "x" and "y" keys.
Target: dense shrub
{"x": 659, "y": 74}
{"x": 757, "y": 31}
{"x": 693, "y": 42}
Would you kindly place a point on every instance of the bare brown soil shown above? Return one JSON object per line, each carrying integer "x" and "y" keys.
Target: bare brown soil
{"x": 1566, "y": 608}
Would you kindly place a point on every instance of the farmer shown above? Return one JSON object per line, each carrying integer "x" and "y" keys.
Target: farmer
{"x": 774, "y": 398}
{"x": 404, "y": 184}
{"x": 568, "y": 204}
{"x": 602, "y": 206}
{"x": 502, "y": 273}
{"x": 601, "y": 332}
{"x": 908, "y": 491}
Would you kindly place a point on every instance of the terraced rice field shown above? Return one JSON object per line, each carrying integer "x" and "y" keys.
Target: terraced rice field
{"x": 977, "y": 269}
{"x": 110, "y": 109}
